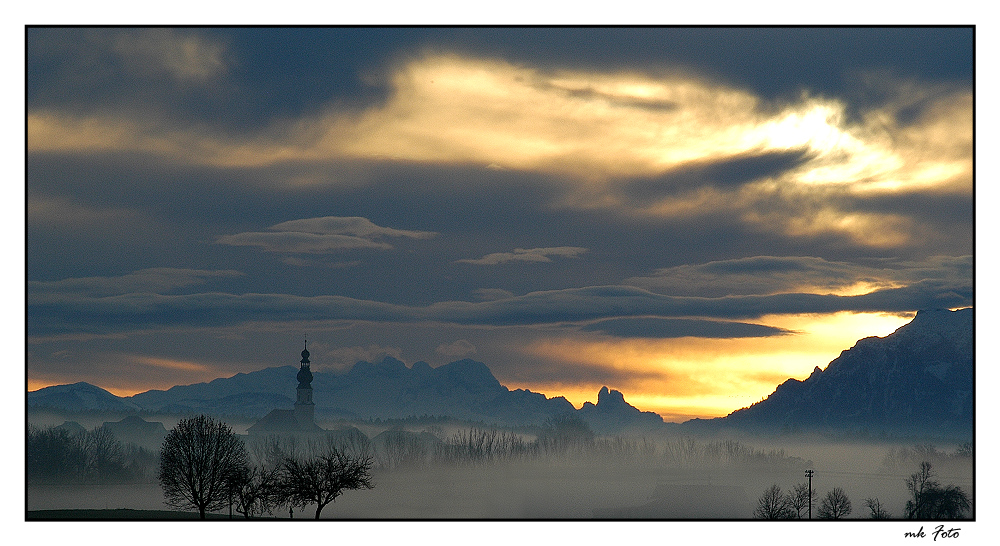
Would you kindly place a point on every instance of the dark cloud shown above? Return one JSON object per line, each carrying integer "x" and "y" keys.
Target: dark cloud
{"x": 458, "y": 348}
{"x": 591, "y": 94}
{"x": 774, "y": 61}
{"x": 670, "y": 328}
{"x": 776, "y": 274}
{"x": 269, "y": 73}
{"x": 725, "y": 174}
{"x": 169, "y": 75}
{"x": 591, "y": 303}
{"x": 155, "y": 280}
{"x": 144, "y": 310}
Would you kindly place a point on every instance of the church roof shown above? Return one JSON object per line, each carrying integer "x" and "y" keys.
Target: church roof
{"x": 281, "y": 421}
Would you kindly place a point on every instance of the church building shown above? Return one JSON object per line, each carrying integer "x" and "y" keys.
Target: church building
{"x": 298, "y": 420}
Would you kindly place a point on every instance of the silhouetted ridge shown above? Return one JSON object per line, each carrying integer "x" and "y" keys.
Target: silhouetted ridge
{"x": 917, "y": 380}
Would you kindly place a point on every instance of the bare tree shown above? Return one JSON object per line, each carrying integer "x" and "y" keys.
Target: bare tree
{"x": 918, "y": 483}
{"x": 835, "y": 505}
{"x": 772, "y": 504}
{"x": 800, "y": 498}
{"x": 930, "y": 500}
{"x": 105, "y": 456}
{"x": 320, "y": 480}
{"x": 877, "y": 511}
{"x": 256, "y": 491}
{"x": 198, "y": 462}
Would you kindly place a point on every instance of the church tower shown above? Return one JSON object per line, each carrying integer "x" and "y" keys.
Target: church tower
{"x": 304, "y": 407}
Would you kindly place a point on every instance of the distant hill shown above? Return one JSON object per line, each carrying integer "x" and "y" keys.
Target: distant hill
{"x": 135, "y": 430}
{"x": 79, "y": 397}
{"x": 251, "y": 394}
{"x": 916, "y": 381}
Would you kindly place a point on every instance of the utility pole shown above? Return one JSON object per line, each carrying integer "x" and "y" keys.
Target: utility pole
{"x": 809, "y": 474}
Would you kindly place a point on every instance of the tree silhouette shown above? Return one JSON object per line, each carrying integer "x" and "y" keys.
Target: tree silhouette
{"x": 320, "y": 480}
{"x": 930, "y": 500}
{"x": 835, "y": 505}
{"x": 198, "y": 462}
{"x": 255, "y": 491}
{"x": 105, "y": 456}
{"x": 772, "y": 504}
{"x": 799, "y": 499}
{"x": 877, "y": 511}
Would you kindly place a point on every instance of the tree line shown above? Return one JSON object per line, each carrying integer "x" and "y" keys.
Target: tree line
{"x": 54, "y": 454}
{"x": 929, "y": 500}
{"x": 561, "y": 437}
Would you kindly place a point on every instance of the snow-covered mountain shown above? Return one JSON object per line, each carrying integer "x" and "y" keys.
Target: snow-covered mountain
{"x": 464, "y": 389}
{"x": 248, "y": 394}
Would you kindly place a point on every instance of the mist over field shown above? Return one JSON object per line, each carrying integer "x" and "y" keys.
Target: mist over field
{"x": 452, "y": 470}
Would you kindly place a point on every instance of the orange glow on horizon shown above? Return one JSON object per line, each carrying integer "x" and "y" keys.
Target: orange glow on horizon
{"x": 697, "y": 377}
{"x": 37, "y": 384}
{"x": 145, "y": 373}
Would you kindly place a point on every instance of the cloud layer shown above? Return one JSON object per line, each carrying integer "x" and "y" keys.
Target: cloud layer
{"x": 52, "y": 304}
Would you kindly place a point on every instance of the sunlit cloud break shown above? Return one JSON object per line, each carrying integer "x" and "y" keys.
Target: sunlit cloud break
{"x": 595, "y": 126}
{"x": 595, "y": 132}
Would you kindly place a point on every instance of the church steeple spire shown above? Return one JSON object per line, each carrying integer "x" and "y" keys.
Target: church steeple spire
{"x": 304, "y": 376}
{"x": 303, "y": 393}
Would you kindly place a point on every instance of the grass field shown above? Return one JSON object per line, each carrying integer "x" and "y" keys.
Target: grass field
{"x": 121, "y": 514}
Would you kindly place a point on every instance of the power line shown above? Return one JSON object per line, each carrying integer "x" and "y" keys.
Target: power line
{"x": 892, "y": 476}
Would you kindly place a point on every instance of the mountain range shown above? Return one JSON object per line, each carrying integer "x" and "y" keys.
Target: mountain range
{"x": 918, "y": 379}
{"x": 388, "y": 389}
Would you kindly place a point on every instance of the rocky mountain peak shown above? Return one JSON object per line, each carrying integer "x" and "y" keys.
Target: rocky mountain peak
{"x": 610, "y": 399}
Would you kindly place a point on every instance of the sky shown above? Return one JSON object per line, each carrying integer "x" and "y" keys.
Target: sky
{"x": 689, "y": 215}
